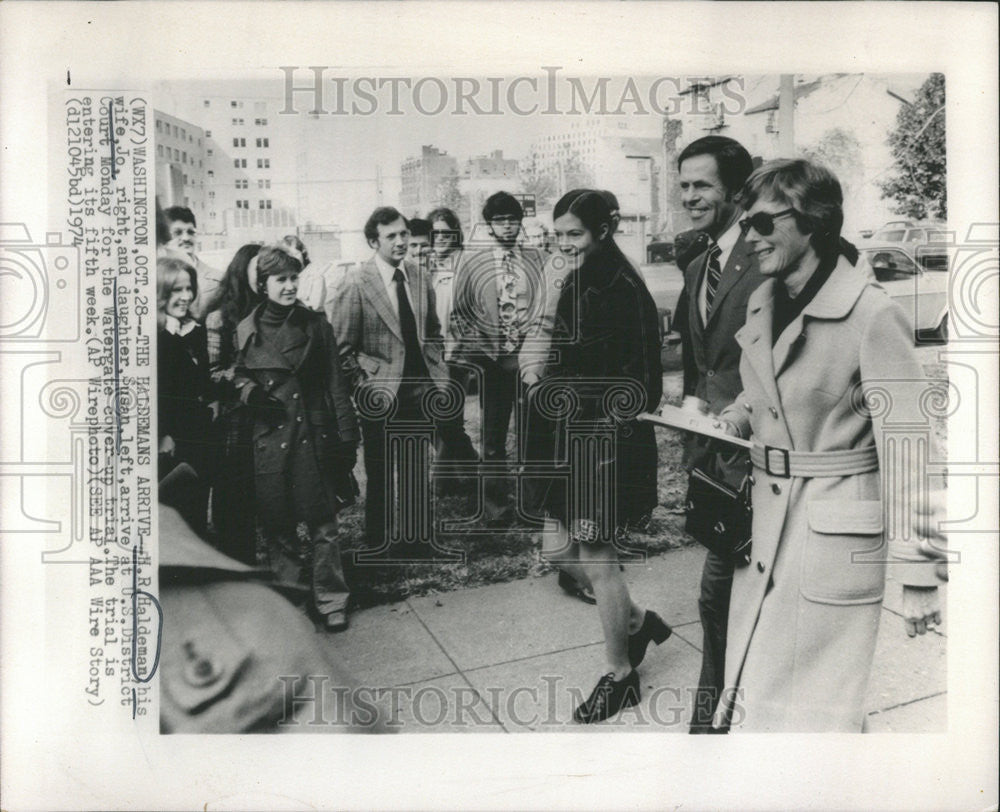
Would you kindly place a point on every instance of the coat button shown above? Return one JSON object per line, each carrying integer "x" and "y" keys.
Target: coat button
{"x": 284, "y": 445}
{"x": 270, "y": 383}
{"x": 775, "y": 488}
{"x": 199, "y": 670}
{"x": 773, "y": 411}
{"x": 760, "y": 566}
{"x": 711, "y": 373}
{"x": 295, "y": 395}
{"x": 304, "y": 441}
{"x": 748, "y": 407}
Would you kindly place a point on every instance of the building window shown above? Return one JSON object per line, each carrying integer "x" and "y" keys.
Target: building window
{"x": 175, "y": 130}
{"x": 232, "y": 104}
{"x": 208, "y": 133}
{"x": 183, "y": 133}
{"x": 263, "y": 142}
{"x": 159, "y": 125}
{"x": 208, "y": 103}
{"x": 211, "y": 152}
{"x": 263, "y": 163}
{"x": 239, "y": 142}
{"x": 240, "y": 163}
{"x": 159, "y": 150}
{"x": 211, "y": 173}
{"x": 184, "y": 157}
{"x": 211, "y": 195}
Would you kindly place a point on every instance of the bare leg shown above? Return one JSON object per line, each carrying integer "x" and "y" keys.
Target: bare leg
{"x": 614, "y": 605}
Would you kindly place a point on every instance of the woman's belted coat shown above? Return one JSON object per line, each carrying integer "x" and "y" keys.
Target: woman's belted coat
{"x": 804, "y": 614}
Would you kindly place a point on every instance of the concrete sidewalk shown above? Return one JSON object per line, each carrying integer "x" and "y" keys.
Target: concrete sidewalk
{"x": 519, "y": 656}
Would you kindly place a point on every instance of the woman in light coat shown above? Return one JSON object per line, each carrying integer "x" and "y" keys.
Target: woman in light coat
{"x": 831, "y": 388}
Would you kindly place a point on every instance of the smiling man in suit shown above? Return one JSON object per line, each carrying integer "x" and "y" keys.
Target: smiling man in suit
{"x": 391, "y": 347}
{"x": 718, "y": 281}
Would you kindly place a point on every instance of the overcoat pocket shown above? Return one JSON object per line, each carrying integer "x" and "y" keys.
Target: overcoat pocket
{"x": 844, "y": 557}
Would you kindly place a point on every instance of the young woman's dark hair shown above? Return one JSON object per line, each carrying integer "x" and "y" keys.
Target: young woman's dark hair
{"x": 591, "y": 208}
{"x": 235, "y": 297}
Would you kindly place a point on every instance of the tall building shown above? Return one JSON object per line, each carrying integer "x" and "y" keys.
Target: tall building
{"x": 421, "y": 179}
{"x": 484, "y": 176}
{"x": 180, "y": 165}
{"x": 622, "y": 155}
{"x": 241, "y": 173}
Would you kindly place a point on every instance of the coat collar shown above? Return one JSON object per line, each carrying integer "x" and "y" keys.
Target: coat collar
{"x": 834, "y": 300}
{"x": 271, "y": 356}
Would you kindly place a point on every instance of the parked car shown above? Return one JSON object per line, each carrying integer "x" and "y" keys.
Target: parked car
{"x": 660, "y": 249}
{"x": 922, "y": 293}
{"x": 929, "y": 237}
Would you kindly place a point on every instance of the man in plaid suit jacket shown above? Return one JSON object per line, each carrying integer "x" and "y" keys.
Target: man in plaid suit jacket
{"x": 392, "y": 350}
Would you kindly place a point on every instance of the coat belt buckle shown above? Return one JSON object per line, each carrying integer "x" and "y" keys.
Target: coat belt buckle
{"x": 786, "y": 474}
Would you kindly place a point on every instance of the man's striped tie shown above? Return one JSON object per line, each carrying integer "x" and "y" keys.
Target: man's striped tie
{"x": 713, "y": 276}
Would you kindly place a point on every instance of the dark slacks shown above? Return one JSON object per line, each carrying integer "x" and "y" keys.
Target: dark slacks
{"x": 713, "y": 608}
{"x": 410, "y": 482}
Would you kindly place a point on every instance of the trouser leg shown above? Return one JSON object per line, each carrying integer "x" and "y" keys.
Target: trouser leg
{"x": 373, "y": 432}
{"x": 713, "y": 608}
{"x": 329, "y": 588}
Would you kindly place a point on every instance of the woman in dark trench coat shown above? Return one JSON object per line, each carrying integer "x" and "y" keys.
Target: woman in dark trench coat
{"x": 606, "y": 336}
{"x": 305, "y": 432}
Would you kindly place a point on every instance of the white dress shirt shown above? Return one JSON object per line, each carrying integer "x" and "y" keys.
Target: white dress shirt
{"x": 387, "y": 272}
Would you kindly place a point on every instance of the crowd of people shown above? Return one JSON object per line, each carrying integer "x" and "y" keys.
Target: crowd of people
{"x": 270, "y": 378}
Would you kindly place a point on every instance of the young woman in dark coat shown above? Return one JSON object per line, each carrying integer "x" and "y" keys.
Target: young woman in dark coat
{"x": 305, "y": 432}
{"x": 185, "y": 401}
{"x": 607, "y": 338}
{"x": 233, "y": 511}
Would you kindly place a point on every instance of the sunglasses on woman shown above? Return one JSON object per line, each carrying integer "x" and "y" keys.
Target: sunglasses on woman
{"x": 763, "y": 222}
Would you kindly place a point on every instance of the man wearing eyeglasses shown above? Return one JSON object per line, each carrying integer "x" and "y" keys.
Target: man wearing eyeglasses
{"x": 497, "y": 291}
{"x": 183, "y": 231}
{"x": 718, "y": 281}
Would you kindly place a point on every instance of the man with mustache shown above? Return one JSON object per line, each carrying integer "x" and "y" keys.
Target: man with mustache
{"x": 718, "y": 281}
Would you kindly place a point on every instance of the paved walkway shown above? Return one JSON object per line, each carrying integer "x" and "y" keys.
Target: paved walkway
{"x": 519, "y": 656}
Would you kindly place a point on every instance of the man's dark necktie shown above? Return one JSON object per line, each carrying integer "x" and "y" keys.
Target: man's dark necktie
{"x": 413, "y": 365}
{"x": 712, "y": 277}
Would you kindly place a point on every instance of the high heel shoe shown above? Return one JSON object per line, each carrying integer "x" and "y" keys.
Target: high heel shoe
{"x": 653, "y": 628}
{"x": 608, "y": 698}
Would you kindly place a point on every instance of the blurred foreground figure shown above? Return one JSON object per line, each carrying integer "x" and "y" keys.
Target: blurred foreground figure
{"x": 237, "y": 656}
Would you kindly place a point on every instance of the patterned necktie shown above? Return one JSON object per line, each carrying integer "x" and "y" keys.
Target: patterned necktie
{"x": 712, "y": 277}
{"x": 507, "y": 303}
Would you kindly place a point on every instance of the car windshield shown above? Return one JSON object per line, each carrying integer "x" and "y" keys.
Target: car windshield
{"x": 890, "y": 235}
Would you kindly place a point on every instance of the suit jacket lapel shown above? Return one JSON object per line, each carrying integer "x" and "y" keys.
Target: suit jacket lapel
{"x": 697, "y": 268}
{"x": 736, "y": 265}
{"x": 374, "y": 290}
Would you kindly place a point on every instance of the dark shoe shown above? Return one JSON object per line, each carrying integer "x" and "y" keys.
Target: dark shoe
{"x": 653, "y": 628}
{"x": 572, "y": 587}
{"x": 608, "y": 698}
{"x": 335, "y": 621}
